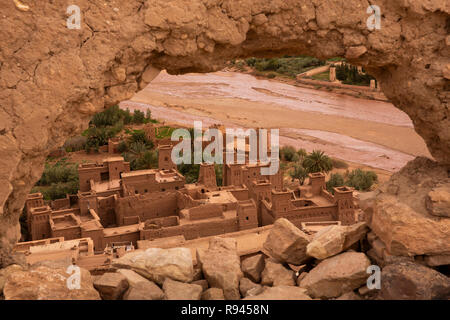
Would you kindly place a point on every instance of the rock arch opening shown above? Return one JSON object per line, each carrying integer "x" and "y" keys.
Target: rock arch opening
{"x": 53, "y": 79}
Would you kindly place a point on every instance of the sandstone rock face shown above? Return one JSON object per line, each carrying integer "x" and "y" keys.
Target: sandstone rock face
{"x": 44, "y": 283}
{"x": 402, "y": 220}
{"x": 221, "y": 266}
{"x": 281, "y": 293}
{"x": 276, "y": 274}
{"x": 411, "y": 281}
{"x": 286, "y": 243}
{"x": 335, "y": 239}
{"x": 213, "y": 294}
{"x": 111, "y": 285}
{"x": 176, "y": 290}
{"x": 109, "y": 58}
{"x": 438, "y": 201}
{"x": 337, "y": 275}
{"x": 144, "y": 291}
{"x": 158, "y": 264}
{"x": 253, "y": 266}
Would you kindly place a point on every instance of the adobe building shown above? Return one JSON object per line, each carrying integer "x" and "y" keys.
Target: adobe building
{"x": 116, "y": 206}
{"x": 110, "y": 170}
{"x": 311, "y": 203}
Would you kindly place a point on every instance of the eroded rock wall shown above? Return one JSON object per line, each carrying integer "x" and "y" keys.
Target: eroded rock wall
{"x": 52, "y": 79}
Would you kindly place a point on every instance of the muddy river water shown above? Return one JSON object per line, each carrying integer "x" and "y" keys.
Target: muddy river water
{"x": 369, "y": 132}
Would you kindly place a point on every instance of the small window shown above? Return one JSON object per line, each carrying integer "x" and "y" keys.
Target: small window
{"x": 246, "y": 218}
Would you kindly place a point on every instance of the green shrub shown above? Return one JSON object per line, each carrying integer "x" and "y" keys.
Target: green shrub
{"x": 58, "y": 173}
{"x": 138, "y": 136}
{"x": 290, "y": 66}
{"x": 138, "y": 117}
{"x": 58, "y": 180}
{"x": 190, "y": 171}
{"x": 122, "y": 147}
{"x": 287, "y": 153}
{"x": 336, "y": 180}
{"x": 75, "y": 144}
{"x": 349, "y": 74}
{"x": 251, "y": 62}
{"x": 165, "y": 132}
{"x": 299, "y": 172}
{"x": 361, "y": 180}
{"x": 140, "y": 157}
{"x": 302, "y": 153}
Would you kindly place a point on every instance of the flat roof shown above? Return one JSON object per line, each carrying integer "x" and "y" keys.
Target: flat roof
{"x": 139, "y": 173}
{"x": 112, "y": 159}
{"x": 160, "y": 175}
{"x": 106, "y": 185}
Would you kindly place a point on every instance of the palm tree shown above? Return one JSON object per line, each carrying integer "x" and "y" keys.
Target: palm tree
{"x": 317, "y": 161}
{"x": 302, "y": 153}
{"x": 140, "y": 157}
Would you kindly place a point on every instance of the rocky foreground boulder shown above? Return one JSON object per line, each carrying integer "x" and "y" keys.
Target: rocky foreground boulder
{"x": 46, "y": 283}
{"x": 111, "y": 285}
{"x": 253, "y": 266}
{"x": 335, "y": 239}
{"x": 144, "y": 291}
{"x": 411, "y": 281}
{"x": 158, "y": 264}
{"x": 401, "y": 214}
{"x": 281, "y": 293}
{"x": 213, "y": 294}
{"x": 337, "y": 275}
{"x": 286, "y": 243}
{"x": 176, "y": 290}
{"x": 221, "y": 266}
{"x": 275, "y": 274}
